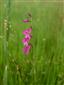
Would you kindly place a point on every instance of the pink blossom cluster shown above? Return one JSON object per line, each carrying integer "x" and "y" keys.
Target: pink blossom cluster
{"x": 27, "y": 38}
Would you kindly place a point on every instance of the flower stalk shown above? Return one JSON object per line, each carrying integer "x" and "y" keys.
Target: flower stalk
{"x": 28, "y": 35}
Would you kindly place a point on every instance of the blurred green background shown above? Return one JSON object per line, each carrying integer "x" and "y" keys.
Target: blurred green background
{"x": 45, "y": 64}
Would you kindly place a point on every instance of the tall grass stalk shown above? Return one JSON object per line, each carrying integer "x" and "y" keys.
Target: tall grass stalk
{"x": 6, "y": 33}
{"x": 5, "y": 75}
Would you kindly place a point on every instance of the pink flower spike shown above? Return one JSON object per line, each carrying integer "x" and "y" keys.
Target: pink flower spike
{"x": 26, "y": 20}
{"x": 26, "y": 49}
{"x": 27, "y": 31}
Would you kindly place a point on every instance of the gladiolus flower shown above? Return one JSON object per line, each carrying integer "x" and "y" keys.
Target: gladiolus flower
{"x": 27, "y": 31}
{"x": 25, "y": 41}
{"x": 27, "y": 37}
{"x": 26, "y": 49}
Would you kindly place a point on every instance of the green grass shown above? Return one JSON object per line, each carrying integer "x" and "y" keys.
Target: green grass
{"x": 45, "y": 64}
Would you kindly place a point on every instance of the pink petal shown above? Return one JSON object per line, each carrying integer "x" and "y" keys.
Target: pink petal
{"x": 27, "y": 31}
{"x": 26, "y": 20}
{"x": 26, "y": 49}
{"x": 25, "y": 41}
{"x": 28, "y": 36}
